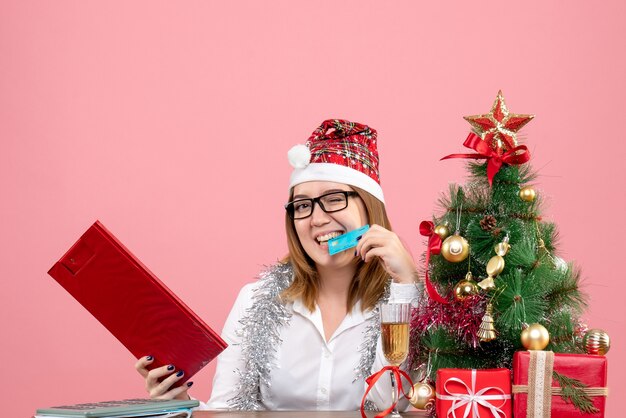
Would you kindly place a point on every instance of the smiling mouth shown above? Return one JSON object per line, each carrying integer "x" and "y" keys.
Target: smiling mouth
{"x": 324, "y": 238}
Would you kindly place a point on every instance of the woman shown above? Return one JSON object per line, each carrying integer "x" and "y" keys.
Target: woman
{"x": 306, "y": 335}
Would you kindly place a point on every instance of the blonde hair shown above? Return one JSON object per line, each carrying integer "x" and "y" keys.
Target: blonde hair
{"x": 370, "y": 280}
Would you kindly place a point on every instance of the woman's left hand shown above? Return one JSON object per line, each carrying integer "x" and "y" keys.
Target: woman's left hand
{"x": 385, "y": 244}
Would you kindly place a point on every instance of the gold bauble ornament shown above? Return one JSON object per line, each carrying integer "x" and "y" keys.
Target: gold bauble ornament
{"x": 442, "y": 230}
{"x": 596, "y": 341}
{"x": 465, "y": 288}
{"x": 535, "y": 337}
{"x": 527, "y": 194}
{"x": 423, "y": 394}
{"x": 455, "y": 248}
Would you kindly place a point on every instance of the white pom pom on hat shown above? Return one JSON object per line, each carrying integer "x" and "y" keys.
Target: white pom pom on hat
{"x": 299, "y": 156}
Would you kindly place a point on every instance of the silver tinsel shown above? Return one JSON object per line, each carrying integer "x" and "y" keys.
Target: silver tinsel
{"x": 260, "y": 334}
{"x": 368, "y": 347}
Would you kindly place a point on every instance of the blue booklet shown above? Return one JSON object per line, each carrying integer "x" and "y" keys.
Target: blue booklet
{"x": 125, "y": 408}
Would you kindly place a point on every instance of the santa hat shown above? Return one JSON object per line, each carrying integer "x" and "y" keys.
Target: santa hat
{"x": 339, "y": 151}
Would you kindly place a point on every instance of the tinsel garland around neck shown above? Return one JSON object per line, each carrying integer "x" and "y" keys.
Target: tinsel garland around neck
{"x": 368, "y": 346}
{"x": 260, "y": 337}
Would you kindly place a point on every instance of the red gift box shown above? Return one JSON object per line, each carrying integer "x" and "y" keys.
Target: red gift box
{"x": 474, "y": 393}
{"x": 537, "y": 392}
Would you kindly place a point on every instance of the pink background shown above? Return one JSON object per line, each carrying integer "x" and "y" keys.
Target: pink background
{"x": 170, "y": 122}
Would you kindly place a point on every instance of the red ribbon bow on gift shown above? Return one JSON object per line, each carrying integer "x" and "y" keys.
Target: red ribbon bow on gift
{"x": 371, "y": 381}
{"x": 517, "y": 155}
{"x": 472, "y": 398}
{"x": 427, "y": 229}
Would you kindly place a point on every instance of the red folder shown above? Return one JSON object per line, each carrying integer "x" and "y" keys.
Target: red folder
{"x": 134, "y": 305}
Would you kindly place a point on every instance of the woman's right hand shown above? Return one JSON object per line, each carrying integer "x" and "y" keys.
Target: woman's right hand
{"x": 161, "y": 390}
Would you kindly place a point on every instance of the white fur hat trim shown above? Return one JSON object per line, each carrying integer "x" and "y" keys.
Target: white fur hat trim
{"x": 336, "y": 173}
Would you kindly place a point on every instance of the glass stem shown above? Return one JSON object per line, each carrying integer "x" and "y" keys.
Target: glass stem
{"x": 394, "y": 396}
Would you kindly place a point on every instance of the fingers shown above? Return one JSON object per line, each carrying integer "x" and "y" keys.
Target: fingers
{"x": 142, "y": 365}
{"x": 377, "y": 237}
{"x": 156, "y": 377}
{"x": 160, "y": 379}
{"x": 379, "y": 242}
{"x": 374, "y": 252}
{"x": 179, "y": 392}
{"x": 161, "y": 389}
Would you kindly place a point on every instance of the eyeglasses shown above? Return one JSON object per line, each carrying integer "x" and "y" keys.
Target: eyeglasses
{"x": 329, "y": 202}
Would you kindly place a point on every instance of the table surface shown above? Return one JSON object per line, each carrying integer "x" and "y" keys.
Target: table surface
{"x": 294, "y": 414}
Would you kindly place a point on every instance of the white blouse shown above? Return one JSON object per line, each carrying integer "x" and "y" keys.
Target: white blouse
{"x": 310, "y": 373}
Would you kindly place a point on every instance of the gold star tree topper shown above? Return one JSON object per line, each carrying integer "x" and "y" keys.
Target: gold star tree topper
{"x": 499, "y": 127}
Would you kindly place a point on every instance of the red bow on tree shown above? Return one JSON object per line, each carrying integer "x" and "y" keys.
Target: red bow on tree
{"x": 517, "y": 155}
{"x": 427, "y": 229}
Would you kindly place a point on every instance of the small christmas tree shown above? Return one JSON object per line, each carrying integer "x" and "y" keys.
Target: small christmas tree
{"x": 491, "y": 264}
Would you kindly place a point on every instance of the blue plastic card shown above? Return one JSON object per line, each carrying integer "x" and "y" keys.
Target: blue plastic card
{"x": 345, "y": 241}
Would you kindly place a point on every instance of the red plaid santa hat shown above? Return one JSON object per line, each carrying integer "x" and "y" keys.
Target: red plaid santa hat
{"x": 339, "y": 151}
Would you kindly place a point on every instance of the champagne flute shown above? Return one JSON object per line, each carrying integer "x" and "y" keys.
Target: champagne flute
{"x": 394, "y": 322}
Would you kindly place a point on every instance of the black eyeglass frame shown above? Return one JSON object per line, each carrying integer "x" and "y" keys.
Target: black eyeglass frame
{"x": 289, "y": 207}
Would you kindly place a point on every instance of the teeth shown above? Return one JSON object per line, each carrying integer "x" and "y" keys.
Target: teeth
{"x": 324, "y": 238}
